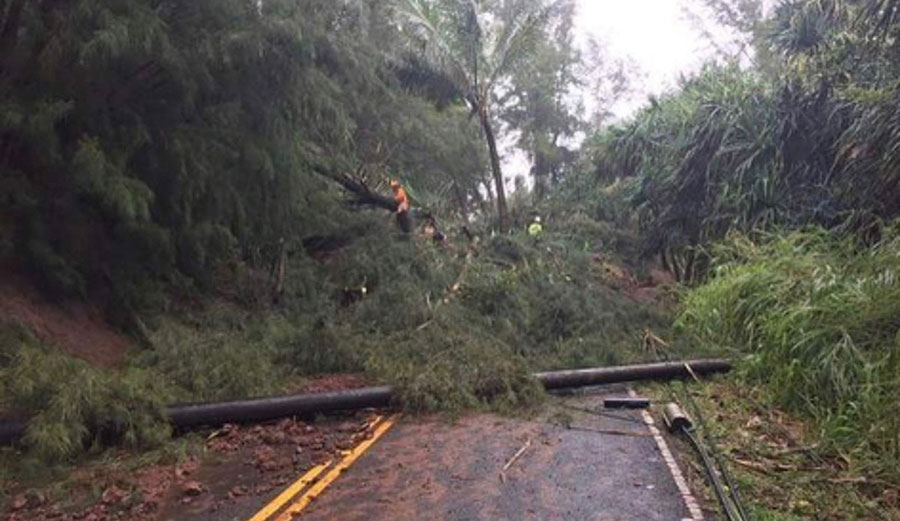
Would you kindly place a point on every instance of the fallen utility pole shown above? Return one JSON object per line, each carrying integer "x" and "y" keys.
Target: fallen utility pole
{"x": 261, "y": 409}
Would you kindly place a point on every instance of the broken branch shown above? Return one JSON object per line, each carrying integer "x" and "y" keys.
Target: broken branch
{"x": 517, "y": 455}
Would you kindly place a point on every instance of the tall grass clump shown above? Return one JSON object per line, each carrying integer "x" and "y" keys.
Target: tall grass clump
{"x": 819, "y": 318}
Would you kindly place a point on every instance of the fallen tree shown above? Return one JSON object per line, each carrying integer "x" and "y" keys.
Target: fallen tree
{"x": 261, "y": 409}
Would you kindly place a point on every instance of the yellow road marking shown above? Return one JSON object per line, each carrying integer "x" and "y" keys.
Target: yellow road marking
{"x": 334, "y": 473}
{"x": 290, "y": 492}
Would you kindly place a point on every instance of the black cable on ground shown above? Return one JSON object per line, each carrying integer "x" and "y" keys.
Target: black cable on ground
{"x": 717, "y": 457}
{"x": 604, "y": 414}
{"x": 704, "y": 435}
{"x": 709, "y": 466}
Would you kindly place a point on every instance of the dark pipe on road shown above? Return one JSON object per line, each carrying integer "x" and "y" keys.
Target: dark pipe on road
{"x": 260, "y": 409}
{"x": 630, "y": 373}
{"x": 185, "y": 416}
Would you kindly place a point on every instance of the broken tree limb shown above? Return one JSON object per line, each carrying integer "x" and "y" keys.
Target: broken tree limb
{"x": 362, "y": 193}
{"x": 517, "y": 455}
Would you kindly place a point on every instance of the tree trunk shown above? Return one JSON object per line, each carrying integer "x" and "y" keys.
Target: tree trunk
{"x": 280, "y": 268}
{"x": 541, "y": 173}
{"x": 461, "y": 201}
{"x": 689, "y": 267}
{"x": 9, "y": 29}
{"x": 495, "y": 167}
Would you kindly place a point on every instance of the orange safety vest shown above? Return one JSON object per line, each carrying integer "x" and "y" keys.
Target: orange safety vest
{"x": 401, "y": 199}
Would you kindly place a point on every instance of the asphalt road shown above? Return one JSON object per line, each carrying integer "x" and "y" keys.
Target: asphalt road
{"x": 576, "y": 465}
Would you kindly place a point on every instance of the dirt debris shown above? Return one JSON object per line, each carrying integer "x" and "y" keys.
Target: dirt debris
{"x": 236, "y": 463}
{"x": 192, "y": 488}
{"x": 76, "y": 327}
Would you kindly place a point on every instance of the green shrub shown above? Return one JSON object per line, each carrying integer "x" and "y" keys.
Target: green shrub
{"x": 820, "y": 320}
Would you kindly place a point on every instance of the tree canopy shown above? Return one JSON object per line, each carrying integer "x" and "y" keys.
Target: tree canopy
{"x": 142, "y": 143}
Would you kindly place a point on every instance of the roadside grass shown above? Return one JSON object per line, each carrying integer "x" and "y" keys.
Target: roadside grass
{"x": 783, "y": 470}
{"x": 818, "y": 319}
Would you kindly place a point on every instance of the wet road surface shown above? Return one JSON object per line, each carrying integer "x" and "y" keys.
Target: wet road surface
{"x": 576, "y": 465}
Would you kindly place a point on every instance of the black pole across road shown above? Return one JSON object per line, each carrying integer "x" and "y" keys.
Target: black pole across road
{"x": 261, "y": 409}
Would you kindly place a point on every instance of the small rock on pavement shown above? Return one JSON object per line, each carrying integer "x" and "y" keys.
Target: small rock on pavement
{"x": 237, "y": 491}
{"x": 192, "y": 488}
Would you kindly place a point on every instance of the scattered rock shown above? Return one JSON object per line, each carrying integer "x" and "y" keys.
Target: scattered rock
{"x": 237, "y": 491}
{"x": 274, "y": 437}
{"x": 192, "y": 488}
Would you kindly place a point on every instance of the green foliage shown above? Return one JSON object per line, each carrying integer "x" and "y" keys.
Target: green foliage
{"x": 212, "y": 364}
{"x": 144, "y": 149}
{"x": 79, "y": 407}
{"x": 819, "y": 319}
{"x": 538, "y": 104}
{"x": 784, "y": 143}
{"x": 473, "y": 47}
{"x": 446, "y": 367}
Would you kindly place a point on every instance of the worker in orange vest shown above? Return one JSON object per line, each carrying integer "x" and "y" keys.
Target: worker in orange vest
{"x": 402, "y": 210}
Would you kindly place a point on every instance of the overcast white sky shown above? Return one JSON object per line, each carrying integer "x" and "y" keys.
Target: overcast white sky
{"x": 655, "y": 34}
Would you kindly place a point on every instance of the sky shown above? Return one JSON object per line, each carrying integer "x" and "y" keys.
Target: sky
{"x": 654, "y": 34}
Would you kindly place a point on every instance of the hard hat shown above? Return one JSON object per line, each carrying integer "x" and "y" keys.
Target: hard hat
{"x": 395, "y": 183}
{"x": 537, "y": 219}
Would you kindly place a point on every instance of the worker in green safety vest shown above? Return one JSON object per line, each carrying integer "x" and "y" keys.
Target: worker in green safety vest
{"x": 535, "y": 228}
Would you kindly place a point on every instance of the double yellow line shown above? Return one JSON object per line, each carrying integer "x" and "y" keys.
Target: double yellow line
{"x": 288, "y": 495}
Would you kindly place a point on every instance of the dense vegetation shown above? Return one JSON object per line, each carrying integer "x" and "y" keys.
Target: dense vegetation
{"x": 820, "y": 319}
{"x": 772, "y": 185}
{"x": 803, "y": 136}
{"x": 214, "y": 175}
